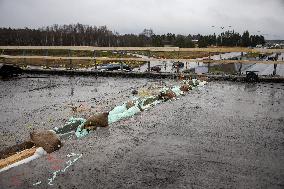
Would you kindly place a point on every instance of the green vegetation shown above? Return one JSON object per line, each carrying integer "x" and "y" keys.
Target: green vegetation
{"x": 85, "y": 35}
{"x": 66, "y": 53}
{"x": 231, "y": 39}
{"x": 255, "y": 55}
{"x": 222, "y": 68}
{"x": 181, "y": 55}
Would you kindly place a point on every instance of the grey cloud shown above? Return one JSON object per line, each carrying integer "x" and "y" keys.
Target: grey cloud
{"x": 131, "y": 16}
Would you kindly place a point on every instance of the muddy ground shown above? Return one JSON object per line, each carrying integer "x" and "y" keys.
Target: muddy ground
{"x": 225, "y": 135}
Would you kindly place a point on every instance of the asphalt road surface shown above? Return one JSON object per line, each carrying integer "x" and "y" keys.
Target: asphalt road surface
{"x": 225, "y": 135}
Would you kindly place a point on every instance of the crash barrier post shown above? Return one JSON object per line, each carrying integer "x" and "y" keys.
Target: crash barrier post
{"x": 96, "y": 66}
{"x": 70, "y": 60}
{"x": 149, "y": 55}
{"x": 95, "y": 60}
{"x": 46, "y": 60}
{"x": 121, "y": 66}
{"x": 25, "y": 61}
{"x": 208, "y": 63}
{"x": 240, "y": 69}
{"x": 4, "y": 59}
{"x": 274, "y": 69}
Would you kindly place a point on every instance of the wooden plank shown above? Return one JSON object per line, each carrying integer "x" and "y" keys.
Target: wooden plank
{"x": 17, "y": 157}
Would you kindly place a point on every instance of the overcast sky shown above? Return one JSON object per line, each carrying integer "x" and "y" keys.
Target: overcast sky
{"x": 132, "y": 16}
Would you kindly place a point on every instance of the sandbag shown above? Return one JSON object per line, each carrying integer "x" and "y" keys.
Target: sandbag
{"x": 202, "y": 83}
{"x": 195, "y": 82}
{"x": 185, "y": 88}
{"x": 167, "y": 95}
{"x": 147, "y": 102}
{"x": 177, "y": 90}
{"x": 129, "y": 104}
{"x": 112, "y": 117}
{"x": 118, "y": 109}
{"x": 48, "y": 140}
{"x": 189, "y": 82}
{"x": 97, "y": 120}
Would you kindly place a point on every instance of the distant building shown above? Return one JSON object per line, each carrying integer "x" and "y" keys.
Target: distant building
{"x": 167, "y": 43}
{"x": 195, "y": 42}
{"x": 275, "y": 43}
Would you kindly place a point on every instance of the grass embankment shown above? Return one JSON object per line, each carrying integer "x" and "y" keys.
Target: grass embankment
{"x": 63, "y": 63}
{"x": 256, "y": 55}
{"x": 181, "y": 55}
{"x": 65, "y": 53}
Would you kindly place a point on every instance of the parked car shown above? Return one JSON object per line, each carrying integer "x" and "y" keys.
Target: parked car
{"x": 234, "y": 58}
{"x": 112, "y": 67}
{"x": 9, "y": 70}
{"x": 156, "y": 68}
{"x": 178, "y": 64}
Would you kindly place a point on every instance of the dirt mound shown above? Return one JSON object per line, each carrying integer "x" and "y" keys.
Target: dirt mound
{"x": 129, "y": 104}
{"x": 48, "y": 140}
{"x": 15, "y": 149}
{"x": 97, "y": 120}
{"x": 185, "y": 88}
{"x": 167, "y": 95}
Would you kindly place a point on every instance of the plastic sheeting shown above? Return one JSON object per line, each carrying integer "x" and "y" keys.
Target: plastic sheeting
{"x": 202, "y": 83}
{"x": 177, "y": 91}
{"x": 147, "y": 102}
{"x": 195, "y": 82}
{"x": 121, "y": 112}
{"x": 118, "y": 110}
{"x": 79, "y": 132}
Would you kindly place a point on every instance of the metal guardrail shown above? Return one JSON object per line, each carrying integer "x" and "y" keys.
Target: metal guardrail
{"x": 142, "y": 59}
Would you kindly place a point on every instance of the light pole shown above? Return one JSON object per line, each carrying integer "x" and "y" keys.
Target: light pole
{"x": 222, "y": 34}
{"x": 215, "y": 31}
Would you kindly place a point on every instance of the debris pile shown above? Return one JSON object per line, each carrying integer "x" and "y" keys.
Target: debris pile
{"x": 42, "y": 142}
{"x": 136, "y": 105}
{"x": 144, "y": 100}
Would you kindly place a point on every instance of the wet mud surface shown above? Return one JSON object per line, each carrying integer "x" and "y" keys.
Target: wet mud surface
{"x": 225, "y": 135}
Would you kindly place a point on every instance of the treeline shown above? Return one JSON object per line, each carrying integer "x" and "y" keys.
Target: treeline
{"x": 231, "y": 38}
{"x": 85, "y": 35}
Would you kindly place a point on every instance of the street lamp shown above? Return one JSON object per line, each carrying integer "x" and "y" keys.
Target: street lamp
{"x": 221, "y": 34}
